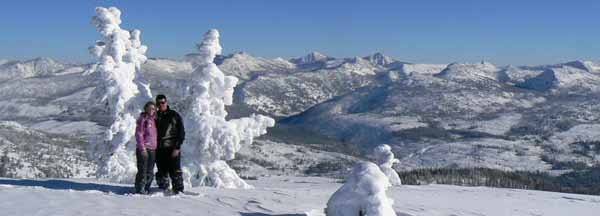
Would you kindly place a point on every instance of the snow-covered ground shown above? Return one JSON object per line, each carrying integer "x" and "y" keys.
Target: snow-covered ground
{"x": 291, "y": 196}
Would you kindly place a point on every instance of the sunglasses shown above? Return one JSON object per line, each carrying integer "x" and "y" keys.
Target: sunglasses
{"x": 162, "y": 102}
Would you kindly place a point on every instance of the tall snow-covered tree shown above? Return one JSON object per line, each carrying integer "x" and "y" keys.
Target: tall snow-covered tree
{"x": 120, "y": 93}
{"x": 364, "y": 193}
{"x": 211, "y": 139}
{"x": 384, "y": 158}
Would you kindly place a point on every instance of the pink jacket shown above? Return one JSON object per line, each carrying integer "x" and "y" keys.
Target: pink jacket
{"x": 145, "y": 132}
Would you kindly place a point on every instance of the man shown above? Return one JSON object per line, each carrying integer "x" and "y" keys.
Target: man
{"x": 171, "y": 134}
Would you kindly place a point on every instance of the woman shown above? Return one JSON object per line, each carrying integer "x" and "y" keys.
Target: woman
{"x": 145, "y": 135}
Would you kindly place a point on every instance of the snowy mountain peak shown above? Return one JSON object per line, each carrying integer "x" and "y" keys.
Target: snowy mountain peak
{"x": 312, "y": 57}
{"x": 379, "y": 59}
{"x": 238, "y": 56}
{"x": 40, "y": 63}
{"x": 466, "y": 71}
{"x": 29, "y": 68}
{"x": 245, "y": 66}
{"x": 40, "y": 60}
{"x": 583, "y": 65}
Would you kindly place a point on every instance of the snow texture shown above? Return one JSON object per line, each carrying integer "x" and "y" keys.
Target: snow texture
{"x": 384, "y": 158}
{"x": 364, "y": 193}
{"x": 284, "y": 195}
{"x": 212, "y": 139}
{"x": 121, "y": 91}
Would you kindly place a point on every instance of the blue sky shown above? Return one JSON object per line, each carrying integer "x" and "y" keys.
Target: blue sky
{"x": 424, "y": 31}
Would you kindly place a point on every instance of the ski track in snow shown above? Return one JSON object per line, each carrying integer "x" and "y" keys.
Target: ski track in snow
{"x": 276, "y": 196}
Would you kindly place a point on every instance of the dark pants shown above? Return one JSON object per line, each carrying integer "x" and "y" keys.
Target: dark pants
{"x": 169, "y": 166}
{"x": 145, "y": 174}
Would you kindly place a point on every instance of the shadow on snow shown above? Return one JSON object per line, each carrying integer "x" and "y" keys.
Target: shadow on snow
{"x": 263, "y": 214}
{"x": 68, "y": 185}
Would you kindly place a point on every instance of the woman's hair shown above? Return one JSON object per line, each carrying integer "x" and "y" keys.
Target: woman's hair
{"x": 149, "y": 103}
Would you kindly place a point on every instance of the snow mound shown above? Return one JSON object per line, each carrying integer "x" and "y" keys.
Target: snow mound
{"x": 212, "y": 139}
{"x": 364, "y": 193}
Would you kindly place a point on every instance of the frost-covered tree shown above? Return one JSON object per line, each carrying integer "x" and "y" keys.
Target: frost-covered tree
{"x": 211, "y": 139}
{"x": 364, "y": 193}
{"x": 384, "y": 158}
{"x": 120, "y": 93}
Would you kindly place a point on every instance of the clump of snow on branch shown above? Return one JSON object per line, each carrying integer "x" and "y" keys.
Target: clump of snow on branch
{"x": 212, "y": 139}
{"x": 121, "y": 90}
{"x": 364, "y": 193}
{"x": 384, "y": 158}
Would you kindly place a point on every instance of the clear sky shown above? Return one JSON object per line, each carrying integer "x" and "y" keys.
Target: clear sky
{"x": 424, "y": 31}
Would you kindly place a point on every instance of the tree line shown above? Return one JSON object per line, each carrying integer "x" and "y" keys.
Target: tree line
{"x": 586, "y": 181}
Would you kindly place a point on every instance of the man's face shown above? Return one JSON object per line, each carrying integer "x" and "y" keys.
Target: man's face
{"x": 162, "y": 104}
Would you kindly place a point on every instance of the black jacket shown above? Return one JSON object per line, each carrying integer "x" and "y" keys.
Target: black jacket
{"x": 171, "y": 132}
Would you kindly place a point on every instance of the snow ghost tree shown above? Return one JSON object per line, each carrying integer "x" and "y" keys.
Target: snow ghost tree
{"x": 211, "y": 139}
{"x": 364, "y": 193}
{"x": 120, "y": 93}
{"x": 384, "y": 158}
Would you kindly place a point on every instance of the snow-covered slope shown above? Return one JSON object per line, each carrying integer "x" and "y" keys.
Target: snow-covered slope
{"x": 470, "y": 72}
{"x": 283, "y": 196}
{"x": 575, "y": 76}
{"x": 245, "y": 66}
{"x": 285, "y": 95}
{"x": 467, "y": 115}
{"x": 11, "y": 70}
{"x": 26, "y": 153}
{"x": 267, "y": 157}
{"x": 317, "y": 78}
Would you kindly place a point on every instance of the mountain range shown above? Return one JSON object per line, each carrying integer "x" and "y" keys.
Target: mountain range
{"x": 331, "y": 112}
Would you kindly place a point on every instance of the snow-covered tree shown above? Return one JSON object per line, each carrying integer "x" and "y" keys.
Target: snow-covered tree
{"x": 211, "y": 139}
{"x": 384, "y": 158}
{"x": 364, "y": 193}
{"x": 120, "y": 93}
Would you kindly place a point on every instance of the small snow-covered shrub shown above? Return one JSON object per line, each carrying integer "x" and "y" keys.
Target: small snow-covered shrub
{"x": 384, "y": 157}
{"x": 364, "y": 193}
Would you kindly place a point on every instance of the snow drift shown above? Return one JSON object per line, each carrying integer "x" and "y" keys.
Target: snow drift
{"x": 212, "y": 139}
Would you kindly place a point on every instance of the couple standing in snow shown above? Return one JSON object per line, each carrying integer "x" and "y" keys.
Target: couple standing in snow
{"x": 159, "y": 134}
